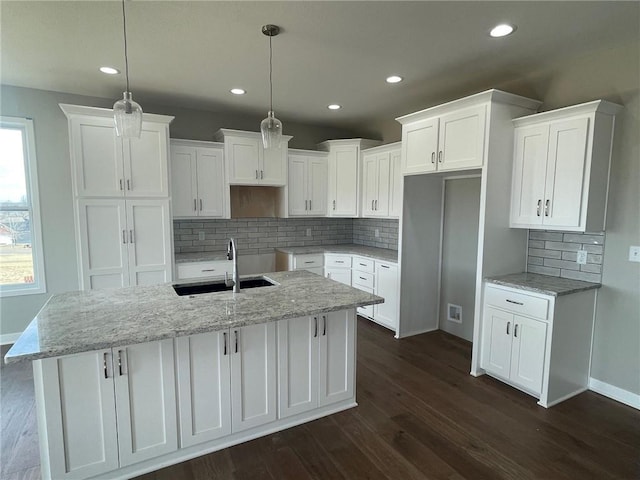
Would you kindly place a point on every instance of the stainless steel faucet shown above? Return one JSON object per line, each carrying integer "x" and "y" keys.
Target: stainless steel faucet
{"x": 232, "y": 254}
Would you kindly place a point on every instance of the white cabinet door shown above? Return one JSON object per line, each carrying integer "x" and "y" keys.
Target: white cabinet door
{"x": 529, "y": 171}
{"x": 337, "y": 357}
{"x": 145, "y": 401}
{"x": 298, "y": 365}
{"x": 342, "y": 275}
{"x": 98, "y": 160}
{"x": 273, "y": 168}
{"x": 496, "y": 342}
{"x": 210, "y": 182}
{"x": 145, "y": 162}
{"x": 343, "y": 181}
{"x": 369, "y": 184}
{"x": 317, "y": 186}
{"x": 387, "y": 288}
{"x": 244, "y": 159}
{"x": 184, "y": 181}
{"x": 383, "y": 162}
{"x": 149, "y": 237}
{"x": 298, "y": 201}
{"x": 253, "y": 376}
{"x": 103, "y": 243}
{"x": 395, "y": 195}
{"x": 203, "y": 380}
{"x": 80, "y": 414}
{"x": 420, "y": 146}
{"x": 565, "y": 172}
{"x": 461, "y": 139}
{"x": 527, "y": 356}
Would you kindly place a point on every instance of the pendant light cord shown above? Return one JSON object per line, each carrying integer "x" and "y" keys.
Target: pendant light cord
{"x": 270, "y": 75}
{"x": 126, "y": 58}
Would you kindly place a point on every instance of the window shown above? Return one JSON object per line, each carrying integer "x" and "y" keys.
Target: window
{"x": 21, "y": 261}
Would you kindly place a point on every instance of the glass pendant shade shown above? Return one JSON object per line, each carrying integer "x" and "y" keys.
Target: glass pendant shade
{"x": 271, "y": 129}
{"x": 128, "y": 117}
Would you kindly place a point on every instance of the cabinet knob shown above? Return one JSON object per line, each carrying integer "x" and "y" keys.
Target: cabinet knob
{"x": 538, "y": 208}
{"x": 546, "y": 208}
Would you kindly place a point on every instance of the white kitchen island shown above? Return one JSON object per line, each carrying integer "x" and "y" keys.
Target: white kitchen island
{"x": 132, "y": 380}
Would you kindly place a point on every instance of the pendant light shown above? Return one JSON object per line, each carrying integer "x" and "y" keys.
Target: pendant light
{"x": 127, "y": 114}
{"x": 271, "y": 127}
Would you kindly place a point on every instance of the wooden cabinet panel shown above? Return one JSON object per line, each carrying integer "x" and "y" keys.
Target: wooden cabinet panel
{"x": 387, "y": 288}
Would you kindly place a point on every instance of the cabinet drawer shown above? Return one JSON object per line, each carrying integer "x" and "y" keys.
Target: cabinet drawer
{"x": 337, "y": 261}
{"x": 301, "y": 262}
{"x": 362, "y": 279}
{"x": 363, "y": 264}
{"x": 204, "y": 269}
{"x": 517, "y": 302}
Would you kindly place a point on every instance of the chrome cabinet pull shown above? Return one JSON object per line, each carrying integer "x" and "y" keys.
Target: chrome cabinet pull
{"x": 433, "y": 157}
{"x": 236, "y": 334}
{"x": 546, "y": 208}
{"x": 128, "y": 184}
{"x": 208, "y": 270}
{"x": 309, "y": 204}
{"x": 385, "y": 266}
{"x": 261, "y": 174}
{"x": 120, "y": 362}
{"x": 315, "y": 329}
{"x": 200, "y": 204}
{"x": 372, "y": 204}
{"x": 513, "y": 301}
{"x": 334, "y": 204}
{"x": 310, "y": 261}
{"x": 195, "y": 208}
{"x": 440, "y": 156}
{"x": 362, "y": 278}
{"x": 538, "y": 208}
{"x": 376, "y": 205}
{"x": 124, "y": 237}
{"x": 256, "y": 174}
{"x": 224, "y": 341}
{"x": 324, "y": 325}
{"x": 508, "y": 325}
{"x": 131, "y": 240}
{"x": 515, "y": 331}
{"x": 104, "y": 364}
{"x": 339, "y": 261}
{"x": 121, "y": 185}
{"x": 305, "y": 204}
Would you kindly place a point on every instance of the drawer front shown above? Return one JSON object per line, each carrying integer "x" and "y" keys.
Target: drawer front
{"x": 302, "y": 262}
{"x": 362, "y": 279}
{"x": 363, "y": 264}
{"x": 368, "y": 310}
{"x": 337, "y": 261}
{"x": 517, "y": 302}
{"x": 204, "y": 269}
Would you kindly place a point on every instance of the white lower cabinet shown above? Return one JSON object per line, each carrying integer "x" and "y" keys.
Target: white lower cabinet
{"x": 387, "y": 287}
{"x": 316, "y": 361}
{"x": 106, "y": 409}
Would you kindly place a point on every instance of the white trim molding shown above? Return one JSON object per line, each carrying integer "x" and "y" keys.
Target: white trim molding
{"x": 9, "y": 338}
{"x": 615, "y": 393}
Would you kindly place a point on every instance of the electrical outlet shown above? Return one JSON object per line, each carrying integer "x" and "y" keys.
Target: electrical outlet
{"x": 377, "y": 233}
{"x": 201, "y": 236}
{"x": 581, "y": 259}
{"x": 308, "y": 232}
{"x": 634, "y": 254}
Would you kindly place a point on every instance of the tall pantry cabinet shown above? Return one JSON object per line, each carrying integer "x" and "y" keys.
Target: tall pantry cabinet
{"x": 121, "y": 199}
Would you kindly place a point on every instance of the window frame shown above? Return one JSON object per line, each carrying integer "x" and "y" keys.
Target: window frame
{"x": 31, "y": 176}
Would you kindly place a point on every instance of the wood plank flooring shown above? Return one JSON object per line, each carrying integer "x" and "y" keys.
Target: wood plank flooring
{"x": 420, "y": 416}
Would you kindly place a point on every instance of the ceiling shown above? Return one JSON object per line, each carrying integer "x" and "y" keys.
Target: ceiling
{"x": 190, "y": 54}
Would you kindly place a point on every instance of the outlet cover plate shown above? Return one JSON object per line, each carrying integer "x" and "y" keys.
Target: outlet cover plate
{"x": 377, "y": 232}
{"x": 634, "y": 253}
{"x": 201, "y": 236}
{"x": 581, "y": 259}
{"x": 308, "y": 232}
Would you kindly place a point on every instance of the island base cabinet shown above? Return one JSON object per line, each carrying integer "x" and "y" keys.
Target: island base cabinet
{"x": 106, "y": 409}
{"x": 316, "y": 361}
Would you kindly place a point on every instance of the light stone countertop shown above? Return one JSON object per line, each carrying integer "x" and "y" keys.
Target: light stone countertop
{"x": 349, "y": 249}
{"x": 545, "y": 284}
{"x": 83, "y": 321}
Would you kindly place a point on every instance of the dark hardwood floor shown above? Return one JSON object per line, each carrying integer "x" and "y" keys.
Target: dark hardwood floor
{"x": 420, "y": 416}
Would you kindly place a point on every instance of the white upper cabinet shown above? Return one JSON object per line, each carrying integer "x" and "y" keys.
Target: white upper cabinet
{"x": 248, "y": 163}
{"x": 307, "y": 183}
{"x": 105, "y": 165}
{"x": 561, "y": 168}
{"x": 343, "y": 183}
{"x": 452, "y": 140}
{"x": 197, "y": 179}
{"x": 381, "y": 181}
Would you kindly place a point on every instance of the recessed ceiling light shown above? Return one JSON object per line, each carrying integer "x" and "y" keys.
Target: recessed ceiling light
{"x": 334, "y": 106}
{"x": 109, "y": 70}
{"x": 502, "y": 30}
{"x": 394, "y": 79}
{"x": 238, "y": 91}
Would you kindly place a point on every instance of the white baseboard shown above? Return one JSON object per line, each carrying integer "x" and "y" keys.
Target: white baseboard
{"x": 615, "y": 393}
{"x": 7, "y": 338}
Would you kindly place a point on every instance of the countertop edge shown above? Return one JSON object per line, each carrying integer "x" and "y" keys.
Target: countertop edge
{"x": 543, "y": 290}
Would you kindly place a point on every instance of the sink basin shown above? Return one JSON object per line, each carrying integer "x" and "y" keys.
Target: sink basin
{"x": 219, "y": 286}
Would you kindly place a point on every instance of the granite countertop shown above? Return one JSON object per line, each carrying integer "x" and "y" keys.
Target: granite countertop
{"x": 84, "y": 321}
{"x": 350, "y": 249}
{"x": 545, "y": 284}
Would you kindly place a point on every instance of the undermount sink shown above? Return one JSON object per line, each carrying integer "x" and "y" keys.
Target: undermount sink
{"x": 219, "y": 286}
